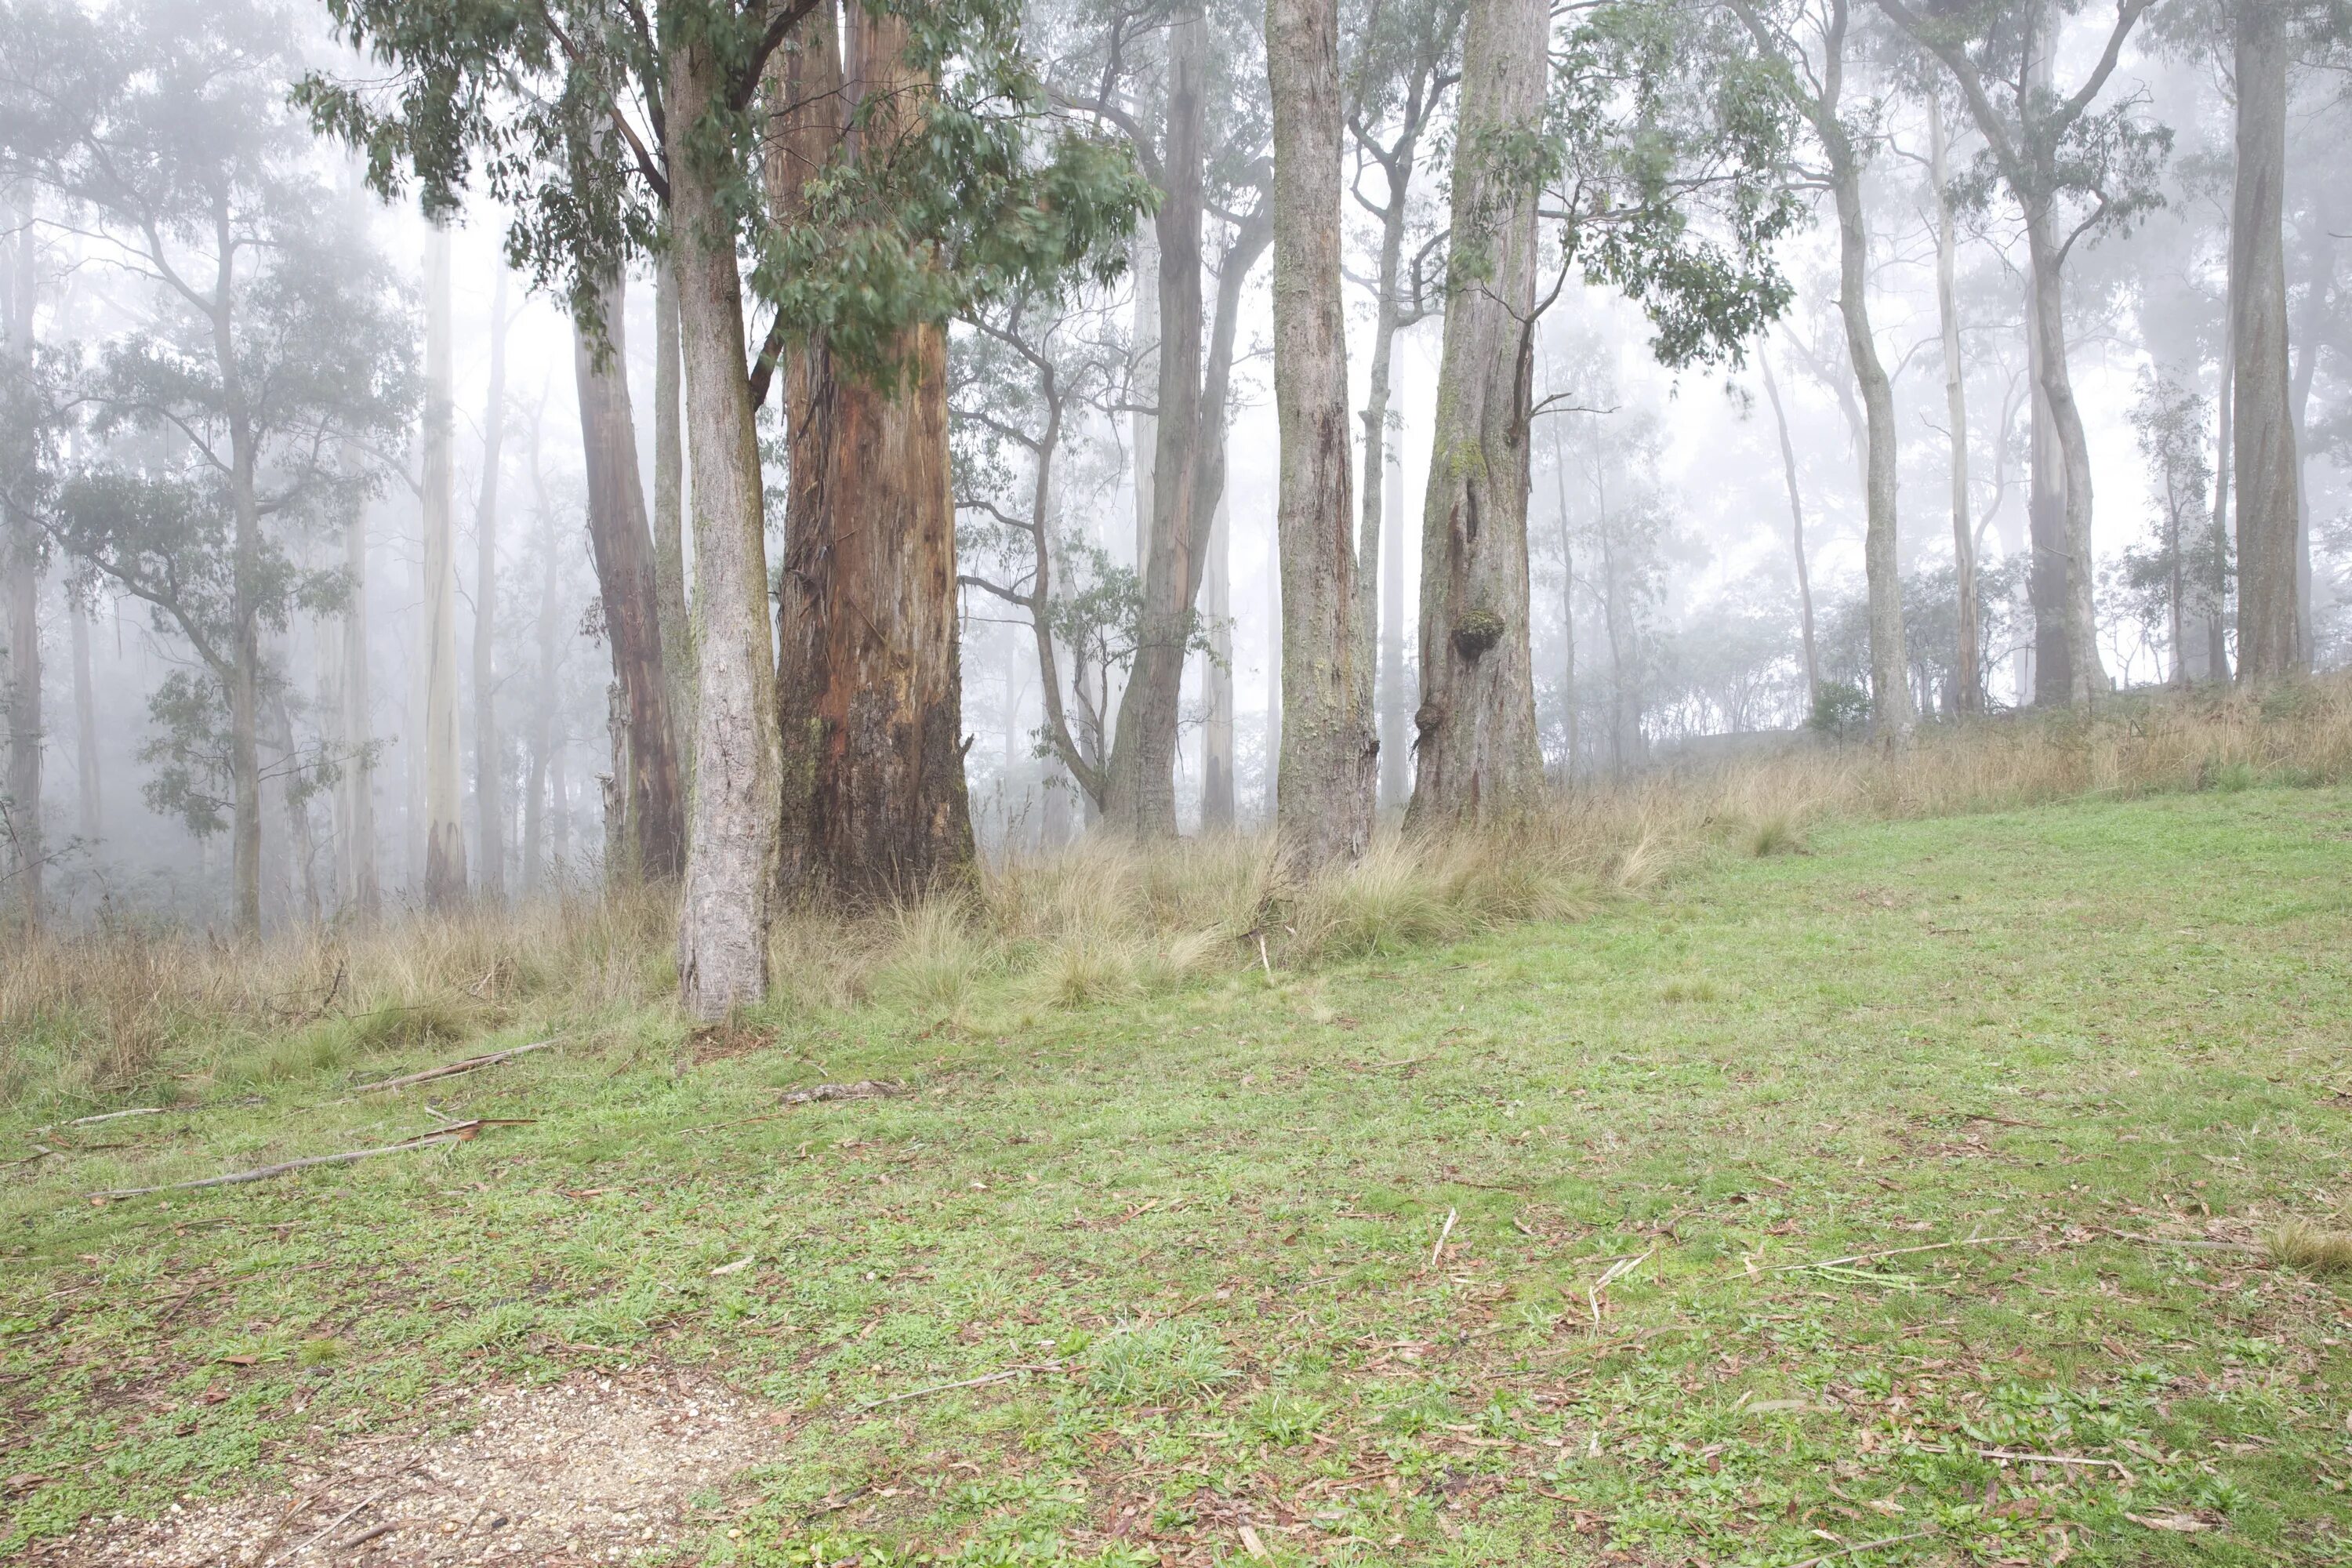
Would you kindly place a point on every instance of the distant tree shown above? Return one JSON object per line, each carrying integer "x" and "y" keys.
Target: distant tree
{"x": 2173, "y": 580}
{"x": 273, "y": 337}
{"x": 1807, "y": 45}
{"x": 2075, "y": 170}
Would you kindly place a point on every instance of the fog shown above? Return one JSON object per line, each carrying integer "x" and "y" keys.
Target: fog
{"x": 1664, "y": 623}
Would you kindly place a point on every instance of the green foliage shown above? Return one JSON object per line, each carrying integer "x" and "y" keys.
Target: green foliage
{"x": 551, "y": 110}
{"x": 1665, "y": 149}
{"x": 1840, "y": 709}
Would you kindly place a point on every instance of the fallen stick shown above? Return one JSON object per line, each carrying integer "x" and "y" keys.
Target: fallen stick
{"x": 1849, "y": 1552}
{"x": 1889, "y": 1252}
{"x": 461, "y": 1132}
{"x": 114, "y": 1116}
{"x": 2193, "y": 1244}
{"x": 1438, "y": 1252}
{"x": 1006, "y": 1375}
{"x": 364, "y": 1536}
{"x": 864, "y": 1088}
{"x": 2050, "y": 1459}
{"x": 452, "y": 1069}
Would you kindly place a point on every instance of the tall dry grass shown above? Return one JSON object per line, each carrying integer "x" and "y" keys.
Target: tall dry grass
{"x": 89, "y": 1014}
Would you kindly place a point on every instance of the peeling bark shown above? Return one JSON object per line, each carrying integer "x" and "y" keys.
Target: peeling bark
{"x": 2270, "y": 644}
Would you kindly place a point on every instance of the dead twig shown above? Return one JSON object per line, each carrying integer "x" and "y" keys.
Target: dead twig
{"x": 1860, "y": 1547}
{"x": 364, "y": 1536}
{"x": 1438, "y": 1252}
{"x": 1886, "y": 1252}
{"x": 2191, "y": 1243}
{"x": 1615, "y": 1271}
{"x": 450, "y": 1069}
{"x": 349, "y": 1513}
{"x": 1005, "y": 1375}
{"x": 864, "y": 1088}
{"x": 113, "y": 1116}
{"x": 2115, "y": 1465}
{"x": 461, "y": 1132}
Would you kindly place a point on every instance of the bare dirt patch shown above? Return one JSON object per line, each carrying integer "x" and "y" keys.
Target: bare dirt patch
{"x": 592, "y": 1469}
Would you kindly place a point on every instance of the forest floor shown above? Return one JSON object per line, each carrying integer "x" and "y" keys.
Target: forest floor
{"x": 1788, "y": 1211}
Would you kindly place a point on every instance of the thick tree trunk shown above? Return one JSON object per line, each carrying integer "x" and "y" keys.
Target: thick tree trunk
{"x": 1396, "y": 702}
{"x": 1477, "y": 752}
{"x": 1273, "y": 695}
{"x": 1329, "y": 762}
{"x": 445, "y": 836}
{"x": 869, "y": 681}
{"x": 1956, "y": 412}
{"x": 1139, "y": 797}
{"x": 731, "y": 861}
{"x": 669, "y": 509}
{"x": 489, "y": 769}
{"x": 1217, "y": 802}
{"x": 1797, "y": 533}
{"x": 2268, "y": 637}
{"x": 1892, "y": 715}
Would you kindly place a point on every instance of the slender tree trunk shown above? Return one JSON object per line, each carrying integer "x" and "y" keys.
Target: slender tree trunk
{"x": 2318, "y": 301}
{"x": 445, "y": 838}
{"x": 1371, "y": 573}
{"x": 1330, "y": 756}
{"x": 875, "y": 804}
{"x": 490, "y": 764}
{"x": 1396, "y": 701}
{"x": 20, "y": 564}
{"x": 669, "y": 511}
{"x": 649, "y": 833}
{"x": 1139, "y": 797}
{"x": 543, "y": 703}
{"x": 731, "y": 861}
{"x": 1477, "y": 750}
{"x": 26, "y": 847}
{"x": 1797, "y": 533}
{"x": 2216, "y": 591}
{"x": 1567, "y": 604}
{"x": 1956, "y": 412}
{"x": 1891, "y": 708}
{"x": 2269, "y": 638}
{"x": 2173, "y": 506}
{"x": 1273, "y": 695}
{"x": 301, "y": 842}
{"x": 2045, "y": 513}
{"x": 362, "y": 887}
{"x": 91, "y": 816}
{"x": 1217, "y": 802}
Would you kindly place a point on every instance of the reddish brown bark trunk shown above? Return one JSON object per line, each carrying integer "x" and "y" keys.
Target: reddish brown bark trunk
{"x": 869, "y": 678}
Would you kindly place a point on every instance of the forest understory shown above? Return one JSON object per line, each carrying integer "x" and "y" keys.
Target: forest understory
{"x": 1899, "y": 1162}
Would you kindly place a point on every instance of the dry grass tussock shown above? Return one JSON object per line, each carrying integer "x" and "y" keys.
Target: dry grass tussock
{"x": 88, "y": 1016}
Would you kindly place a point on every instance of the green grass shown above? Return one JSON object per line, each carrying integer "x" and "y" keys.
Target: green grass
{"x": 1213, "y": 1212}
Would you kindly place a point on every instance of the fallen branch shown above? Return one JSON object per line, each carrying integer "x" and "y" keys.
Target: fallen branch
{"x": 2051, "y": 1459}
{"x": 1849, "y": 1552}
{"x": 113, "y": 1116}
{"x": 451, "y": 1070}
{"x": 864, "y": 1088}
{"x": 1888, "y": 1252}
{"x": 462, "y": 1132}
{"x": 2193, "y": 1244}
{"x": 1616, "y": 1272}
{"x": 1005, "y": 1376}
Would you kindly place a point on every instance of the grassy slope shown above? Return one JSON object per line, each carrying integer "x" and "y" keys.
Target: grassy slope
{"x": 1216, "y": 1209}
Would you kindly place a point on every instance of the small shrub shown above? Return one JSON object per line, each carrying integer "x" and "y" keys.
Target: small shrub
{"x": 2297, "y": 1244}
{"x": 1840, "y": 709}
